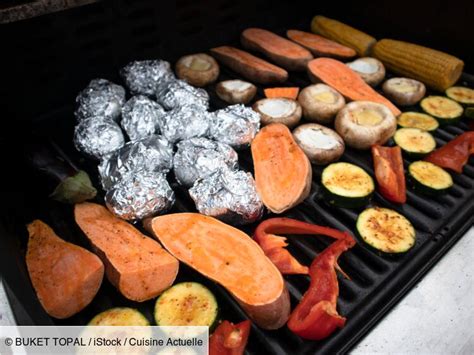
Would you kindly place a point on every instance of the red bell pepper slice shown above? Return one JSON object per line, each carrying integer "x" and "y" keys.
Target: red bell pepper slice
{"x": 229, "y": 339}
{"x": 389, "y": 173}
{"x": 454, "y": 154}
{"x": 273, "y": 245}
{"x": 316, "y": 317}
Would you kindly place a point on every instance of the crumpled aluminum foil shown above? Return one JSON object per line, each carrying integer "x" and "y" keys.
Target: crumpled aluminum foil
{"x": 142, "y": 117}
{"x": 143, "y": 194}
{"x": 186, "y": 122}
{"x": 154, "y": 154}
{"x": 235, "y": 125}
{"x": 142, "y": 77}
{"x": 229, "y": 195}
{"x": 100, "y": 98}
{"x": 98, "y": 137}
{"x": 176, "y": 93}
{"x": 197, "y": 158}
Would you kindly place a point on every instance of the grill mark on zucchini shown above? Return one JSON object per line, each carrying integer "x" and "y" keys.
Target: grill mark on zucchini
{"x": 386, "y": 230}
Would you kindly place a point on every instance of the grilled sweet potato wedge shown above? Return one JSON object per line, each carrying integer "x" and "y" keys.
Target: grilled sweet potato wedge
{"x": 229, "y": 257}
{"x": 135, "y": 264}
{"x": 282, "y": 170}
{"x": 343, "y": 79}
{"x": 249, "y": 66}
{"x": 320, "y": 46}
{"x": 65, "y": 276}
{"x": 283, "y": 52}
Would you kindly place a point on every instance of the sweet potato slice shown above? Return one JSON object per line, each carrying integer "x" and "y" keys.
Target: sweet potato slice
{"x": 341, "y": 78}
{"x": 320, "y": 46}
{"x": 283, "y": 52}
{"x": 229, "y": 257}
{"x": 282, "y": 170}
{"x": 135, "y": 264}
{"x": 65, "y": 276}
{"x": 249, "y": 66}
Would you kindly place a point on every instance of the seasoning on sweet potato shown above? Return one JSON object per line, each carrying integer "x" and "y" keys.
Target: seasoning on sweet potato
{"x": 65, "y": 276}
{"x": 135, "y": 264}
{"x": 229, "y": 257}
{"x": 340, "y": 77}
{"x": 249, "y": 66}
{"x": 282, "y": 170}
{"x": 320, "y": 46}
{"x": 288, "y": 54}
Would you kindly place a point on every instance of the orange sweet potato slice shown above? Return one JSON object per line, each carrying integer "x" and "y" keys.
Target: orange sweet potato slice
{"x": 283, "y": 52}
{"x": 320, "y": 46}
{"x": 341, "y": 78}
{"x": 282, "y": 170}
{"x": 229, "y": 257}
{"x": 134, "y": 263}
{"x": 65, "y": 276}
{"x": 286, "y": 92}
{"x": 249, "y": 66}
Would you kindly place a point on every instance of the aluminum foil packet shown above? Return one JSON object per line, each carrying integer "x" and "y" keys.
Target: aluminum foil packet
{"x": 186, "y": 122}
{"x": 235, "y": 125}
{"x": 175, "y": 93}
{"x": 100, "y": 98}
{"x": 143, "y": 194}
{"x": 142, "y": 117}
{"x": 229, "y": 195}
{"x": 98, "y": 137}
{"x": 153, "y": 154}
{"x": 197, "y": 158}
{"x": 142, "y": 77}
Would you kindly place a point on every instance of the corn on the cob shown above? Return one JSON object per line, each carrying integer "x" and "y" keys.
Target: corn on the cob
{"x": 337, "y": 31}
{"x": 436, "y": 69}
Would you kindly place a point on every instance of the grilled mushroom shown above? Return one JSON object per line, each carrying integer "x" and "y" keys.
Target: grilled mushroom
{"x": 197, "y": 69}
{"x": 320, "y": 103}
{"x": 370, "y": 69}
{"x": 404, "y": 91}
{"x": 236, "y": 91}
{"x": 278, "y": 110}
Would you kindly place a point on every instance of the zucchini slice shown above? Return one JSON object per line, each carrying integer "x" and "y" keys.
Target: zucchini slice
{"x": 347, "y": 185}
{"x": 428, "y": 178}
{"x": 417, "y": 120}
{"x": 469, "y": 113}
{"x": 187, "y": 304}
{"x": 386, "y": 230}
{"x": 461, "y": 94}
{"x": 120, "y": 316}
{"x": 414, "y": 142}
{"x": 445, "y": 110}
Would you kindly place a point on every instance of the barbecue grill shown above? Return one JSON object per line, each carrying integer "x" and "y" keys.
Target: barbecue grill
{"x": 50, "y": 58}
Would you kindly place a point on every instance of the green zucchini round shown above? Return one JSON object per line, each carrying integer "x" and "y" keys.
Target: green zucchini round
{"x": 346, "y": 185}
{"x": 461, "y": 94}
{"x": 445, "y": 110}
{"x": 120, "y": 316}
{"x": 187, "y": 304}
{"x": 428, "y": 178}
{"x": 386, "y": 230}
{"x": 414, "y": 142}
{"x": 469, "y": 113}
{"x": 417, "y": 120}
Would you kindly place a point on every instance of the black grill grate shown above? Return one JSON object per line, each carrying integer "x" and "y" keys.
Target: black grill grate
{"x": 96, "y": 41}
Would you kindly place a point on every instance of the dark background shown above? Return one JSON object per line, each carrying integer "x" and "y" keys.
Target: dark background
{"x": 50, "y": 58}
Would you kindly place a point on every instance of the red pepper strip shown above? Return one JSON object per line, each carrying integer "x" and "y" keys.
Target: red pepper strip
{"x": 316, "y": 317}
{"x": 388, "y": 165}
{"x": 454, "y": 154}
{"x": 229, "y": 339}
{"x": 273, "y": 245}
